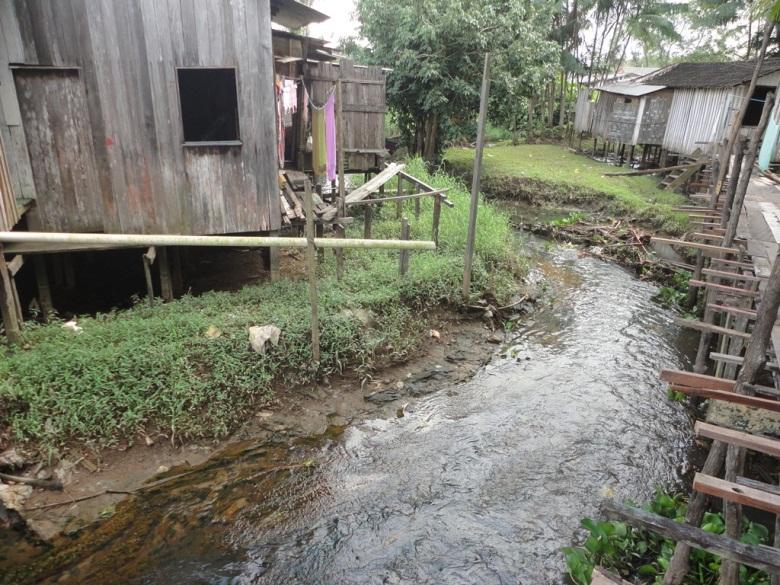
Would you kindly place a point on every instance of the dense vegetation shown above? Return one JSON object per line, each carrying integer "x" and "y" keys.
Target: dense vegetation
{"x": 186, "y": 369}
{"x": 644, "y": 555}
{"x": 543, "y": 52}
{"x": 551, "y": 174}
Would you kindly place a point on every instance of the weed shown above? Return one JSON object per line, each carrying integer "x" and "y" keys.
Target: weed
{"x": 155, "y": 369}
{"x": 636, "y": 553}
{"x": 573, "y": 218}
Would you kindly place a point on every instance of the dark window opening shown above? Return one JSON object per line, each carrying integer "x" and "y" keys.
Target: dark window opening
{"x": 209, "y": 105}
{"x": 627, "y": 100}
{"x": 753, "y": 114}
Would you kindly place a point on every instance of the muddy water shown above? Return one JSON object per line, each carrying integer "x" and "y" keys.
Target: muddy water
{"x": 481, "y": 483}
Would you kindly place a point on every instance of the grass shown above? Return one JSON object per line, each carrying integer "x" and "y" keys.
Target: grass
{"x": 155, "y": 369}
{"x": 547, "y": 173}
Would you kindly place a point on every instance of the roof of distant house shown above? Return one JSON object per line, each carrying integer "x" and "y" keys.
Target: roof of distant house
{"x": 713, "y": 75}
{"x": 637, "y": 71}
{"x": 630, "y": 89}
{"x": 294, "y": 14}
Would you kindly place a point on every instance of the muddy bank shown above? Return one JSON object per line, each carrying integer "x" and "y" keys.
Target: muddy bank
{"x": 456, "y": 346}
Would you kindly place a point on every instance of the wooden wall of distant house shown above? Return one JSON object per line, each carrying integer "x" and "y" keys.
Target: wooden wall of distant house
{"x": 655, "y": 115}
{"x": 123, "y": 56}
{"x": 623, "y": 119}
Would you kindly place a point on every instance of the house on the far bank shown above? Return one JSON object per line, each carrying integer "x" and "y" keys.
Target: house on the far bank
{"x": 628, "y": 113}
{"x": 706, "y": 97}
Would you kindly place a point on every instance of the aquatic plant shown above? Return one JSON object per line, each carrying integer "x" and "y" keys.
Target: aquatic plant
{"x": 645, "y": 556}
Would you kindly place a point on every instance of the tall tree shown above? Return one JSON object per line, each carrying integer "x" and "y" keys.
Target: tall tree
{"x": 436, "y": 47}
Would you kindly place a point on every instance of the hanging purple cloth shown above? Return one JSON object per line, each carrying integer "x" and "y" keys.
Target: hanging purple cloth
{"x": 330, "y": 136}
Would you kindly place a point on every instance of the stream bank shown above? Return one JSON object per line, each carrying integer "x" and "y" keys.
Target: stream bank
{"x": 483, "y": 480}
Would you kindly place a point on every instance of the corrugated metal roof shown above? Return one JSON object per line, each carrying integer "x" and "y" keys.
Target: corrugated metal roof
{"x": 631, "y": 89}
{"x": 691, "y": 75}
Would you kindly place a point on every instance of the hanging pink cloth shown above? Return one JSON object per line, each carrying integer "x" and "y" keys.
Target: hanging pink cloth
{"x": 330, "y": 136}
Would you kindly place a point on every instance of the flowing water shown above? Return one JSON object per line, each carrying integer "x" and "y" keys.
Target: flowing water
{"x": 482, "y": 483}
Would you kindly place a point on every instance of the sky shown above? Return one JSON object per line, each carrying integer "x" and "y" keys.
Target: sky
{"x": 341, "y": 23}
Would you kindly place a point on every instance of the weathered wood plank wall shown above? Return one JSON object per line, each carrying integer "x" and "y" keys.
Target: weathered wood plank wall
{"x": 125, "y": 56}
{"x": 654, "y": 118}
{"x": 363, "y": 92}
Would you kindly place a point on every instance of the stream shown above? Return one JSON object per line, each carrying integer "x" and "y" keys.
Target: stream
{"x": 481, "y": 483}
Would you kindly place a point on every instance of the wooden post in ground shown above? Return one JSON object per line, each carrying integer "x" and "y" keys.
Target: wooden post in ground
{"x": 403, "y": 262}
{"x": 475, "y": 183}
{"x": 399, "y": 206}
{"x": 166, "y": 281}
{"x": 368, "y": 213}
{"x": 417, "y": 207}
{"x": 311, "y": 273}
{"x": 44, "y": 290}
{"x": 14, "y": 266}
{"x": 753, "y": 363}
{"x": 736, "y": 172}
{"x": 341, "y": 203}
{"x": 8, "y": 304}
{"x": 178, "y": 276}
{"x": 273, "y": 259}
{"x": 436, "y": 217}
{"x": 148, "y": 259}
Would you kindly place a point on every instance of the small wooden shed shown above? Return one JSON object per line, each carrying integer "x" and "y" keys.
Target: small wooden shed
{"x": 632, "y": 114}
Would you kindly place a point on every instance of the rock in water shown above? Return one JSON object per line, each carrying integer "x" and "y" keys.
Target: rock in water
{"x": 259, "y": 336}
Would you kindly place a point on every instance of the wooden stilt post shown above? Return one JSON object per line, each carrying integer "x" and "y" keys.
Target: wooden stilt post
{"x": 273, "y": 259}
{"x": 731, "y": 191}
{"x": 475, "y": 184}
{"x": 755, "y": 359}
{"x": 399, "y": 206}
{"x": 148, "y": 259}
{"x": 403, "y": 263}
{"x": 341, "y": 204}
{"x": 14, "y": 266}
{"x": 166, "y": 282}
{"x": 436, "y": 217}
{"x": 44, "y": 290}
{"x": 178, "y": 275}
{"x": 311, "y": 273}
{"x": 368, "y": 212}
{"x": 8, "y": 305}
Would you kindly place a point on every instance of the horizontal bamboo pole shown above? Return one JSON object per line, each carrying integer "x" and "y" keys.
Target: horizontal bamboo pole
{"x": 206, "y": 241}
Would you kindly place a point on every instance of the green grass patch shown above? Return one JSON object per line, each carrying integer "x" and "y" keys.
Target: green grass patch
{"x": 147, "y": 369}
{"x": 553, "y": 174}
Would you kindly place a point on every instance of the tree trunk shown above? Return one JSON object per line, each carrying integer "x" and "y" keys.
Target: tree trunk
{"x": 531, "y": 106}
{"x": 431, "y": 137}
{"x": 562, "y": 117}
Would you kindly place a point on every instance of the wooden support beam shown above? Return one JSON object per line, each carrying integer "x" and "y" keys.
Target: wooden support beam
{"x": 732, "y": 311}
{"x": 732, "y": 492}
{"x": 415, "y": 196}
{"x": 148, "y": 259}
{"x": 15, "y": 265}
{"x": 733, "y": 275}
{"x": 742, "y": 439}
{"x": 403, "y": 267}
{"x": 273, "y": 261}
{"x": 166, "y": 281}
{"x": 730, "y": 290}
{"x": 696, "y": 246}
{"x": 684, "y": 378}
{"x": 311, "y": 274}
{"x": 758, "y": 485}
{"x": 765, "y": 558}
{"x": 44, "y": 290}
{"x": 699, "y": 326}
{"x": 733, "y": 263}
{"x": 8, "y": 307}
{"x": 732, "y": 397}
{"x": 437, "y": 199}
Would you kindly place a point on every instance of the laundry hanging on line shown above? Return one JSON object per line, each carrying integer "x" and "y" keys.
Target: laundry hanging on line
{"x": 323, "y": 133}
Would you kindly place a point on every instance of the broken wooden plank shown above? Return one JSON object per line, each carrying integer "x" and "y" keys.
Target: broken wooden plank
{"x": 709, "y": 328}
{"x": 373, "y": 185}
{"x": 424, "y": 186}
{"x": 733, "y": 437}
{"x": 399, "y": 197}
{"x": 747, "y": 496}
{"x": 602, "y": 577}
{"x": 652, "y": 171}
{"x": 15, "y": 265}
{"x": 744, "y": 400}
{"x": 765, "y": 558}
